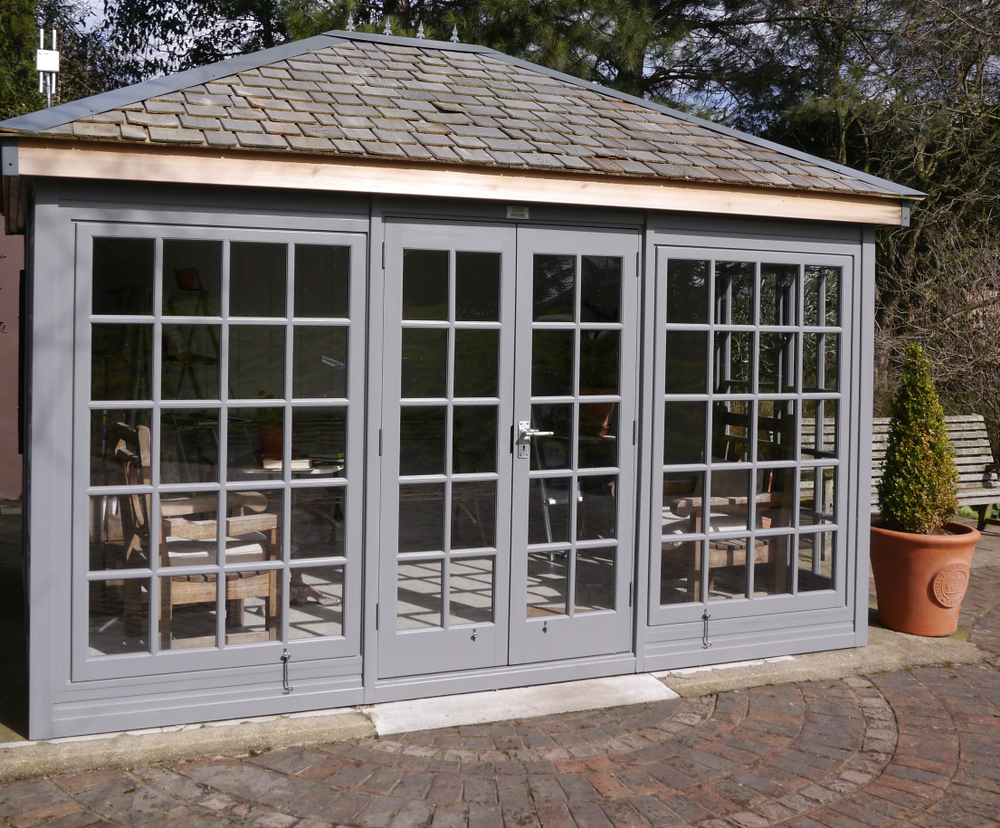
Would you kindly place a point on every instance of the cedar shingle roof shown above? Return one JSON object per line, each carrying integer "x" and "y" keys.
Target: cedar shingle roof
{"x": 388, "y": 98}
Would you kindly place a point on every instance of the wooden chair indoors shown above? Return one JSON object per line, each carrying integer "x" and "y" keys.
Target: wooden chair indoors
{"x": 189, "y": 537}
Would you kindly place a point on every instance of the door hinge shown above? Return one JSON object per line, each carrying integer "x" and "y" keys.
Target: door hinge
{"x": 635, "y": 432}
{"x": 376, "y": 616}
{"x": 638, "y": 263}
{"x": 383, "y": 255}
{"x": 631, "y": 592}
{"x": 380, "y": 442}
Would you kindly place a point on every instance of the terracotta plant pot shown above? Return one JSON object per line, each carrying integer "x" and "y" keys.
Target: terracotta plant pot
{"x": 271, "y": 439}
{"x": 920, "y": 580}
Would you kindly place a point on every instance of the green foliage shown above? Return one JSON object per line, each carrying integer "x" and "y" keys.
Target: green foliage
{"x": 18, "y": 41}
{"x": 919, "y": 478}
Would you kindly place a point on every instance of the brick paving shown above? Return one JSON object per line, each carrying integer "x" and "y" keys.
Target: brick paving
{"x": 912, "y": 748}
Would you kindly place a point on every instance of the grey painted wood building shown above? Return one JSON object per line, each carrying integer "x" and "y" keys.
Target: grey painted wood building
{"x": 364, "y": 368}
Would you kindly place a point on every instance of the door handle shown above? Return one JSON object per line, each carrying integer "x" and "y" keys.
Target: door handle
{"x": 524, "y": 434}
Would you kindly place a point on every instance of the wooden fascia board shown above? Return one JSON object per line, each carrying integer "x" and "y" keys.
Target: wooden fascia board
{"x": 62, "y": 159}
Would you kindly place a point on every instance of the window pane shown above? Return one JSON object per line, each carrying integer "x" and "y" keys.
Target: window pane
{"x": 316, "y": 602}
{"x": 548, "y": 583}
{"x": 256, "y": 441}
{"x": 189, "y": 445}
{"x": 599, "y": 362}
{"x": 595, "y": 580}
{"x": 187, "y": 611}
{"x": 121, "y": 362}
{"x": 687, "y": 291}
{"x": 256, "y": 362}
{"x": 470, "y": 591}
{"x": 686, "y": 362}
{"x": 477, "y": 287}
{"x": 733, "y": 361}
{"x": 683, "y": 432}
{"x": 775, "y": 430}
{"x": 680, "y": 572}
{"x": 597, "y": 510}
{"x": 779, "y": 294}
{"x": 257, "y": 279}
{"x": 777, "y": 369}
{"x": 118, "y": 616}
{"x": 119, "y": 532}
{"x": 123, "y": 276}
{"x": 548, "y": 510}
{"x": 190, "y": 530}
{"x": 190, "y": 368}
{"x": 817, "y": 496}
{"x": 106, "y": 466}
{"x": 322, "y": 280}
{"x": 554, "y": 280}
{"x": 192, "y": 277}
{"x": 319, "y": 362}
{"x": 731, "y": 440}
{"x": 418, "y": 595}
{"x": 600, "y": 288}
{"x": 320, "y": 435}
{"x": 598, "y": 435}
{"x": 819, "y": 362}
{"x": 772, "y": 566}
{"x": 422, "y": 440}
{"x": 421, "y": 517}
{"x": 775, "y": 498}
{"x": 555, "y": 451}
{"x": 822, "y": 295}
{"x": 256, "y": 614}
{"x": 819, "y": 428}
{"x": 476, "y": 363}
{"x": 816, "y": 561}
{"x": 734, "y": 292}
{"x": 552, "y": 363}
{"x": 425, "y": 284}
{"x": 473, "y": 514}
{"x": 727, "y": 569}
{"x": 424, "y": 368}
{"x": 729, "y": 505}
{"x": 474, "y": 439}
{"x": 683, "y": 503}
{"x": 318, "y": 522}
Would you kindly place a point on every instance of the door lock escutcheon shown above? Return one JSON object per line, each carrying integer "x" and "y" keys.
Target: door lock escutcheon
{"x": 524, "y": 434}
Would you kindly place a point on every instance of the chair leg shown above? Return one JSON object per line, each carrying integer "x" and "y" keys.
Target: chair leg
{"x": 983, "y": 511}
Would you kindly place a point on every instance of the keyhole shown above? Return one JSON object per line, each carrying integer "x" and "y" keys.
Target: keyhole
{"x": 545, "y": 627}
{"x": 475, "y": 635}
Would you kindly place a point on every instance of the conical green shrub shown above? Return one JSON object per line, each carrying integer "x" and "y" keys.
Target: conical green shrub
{"x": 919, "y": 477}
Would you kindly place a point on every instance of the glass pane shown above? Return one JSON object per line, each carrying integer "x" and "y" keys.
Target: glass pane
{"x": 474, "y": 439}
{"x": 727, "y": 569}
{"x": 253, "y": 606}
{"x": 548, "y": 510}
{"x": 773, "y": 566}
{"x": 316, "y": 602}
{"x": 775, "y": 430}
{"x": 192, "y": 278}
{"x": 732, "y": 363}
{"x": 473, "y": 514}
{"x": 734, "y": 291}
{"x": 421, "y": 517}
{"x": 418, "y": 595}
{"x": 600, "y": 288}
{"x": 187, "y": 611}
{"x": 548, "y": 583}
{"x": 476, "y": 363}
{"x": 775, "y": 498}
{"x": 597, "y": 512}
{"x": 319, "y": 362}
{"x": 189, "y": 445}
{"x": 822, "y": 295}
{"x": 121, "y": 365}
{"x": 191, "y": 362}
{"x": 256, "y": 362}
{"x": 119, "y": 532}
{"x": 123, "y": 276}
{"x": 190, "y": 530}
{"x": 253, "y": 526}
{"x": 257, "y": 279}
{"x": 819, "y": 428}
{"x": 318, "y": 522}
{"x": 595, "y": 580}
{"x": 680, "y": 572}
{"x": 683, "y": 503}
{"x": 731, "y": 440}
{"x": 470, "y": 591}
{"x": 477, "y": 287}
{"x": 424, "y": 367}
{"x": 319, "y": 441}
{"x": 729, "y": 506}
{"x": 778, "y": 297}
{"x": 552, "y": 363}
{"x": 816, "y": 558}
{"x": 422, "y": 440}
{"x": 256, "y": 443}
{"x": 554, "y": 452}
{"x": 686, "y": 362}
{"x": 599, "y": 362}
{"x": 817, "y": 496}
{"x": 106, "y": 468}
{"x": 598, "y": 435}
{"x": 118, "y": 616}
{"x": 819, "y": 357}
{"x": 687, "y": 291}
{"x": 322, "y": 281}
{"x": 554, "y": 279}
{"x": 425, "y": 284}
{"x": 683, "y": 432}
{"x": 777, "y": 370}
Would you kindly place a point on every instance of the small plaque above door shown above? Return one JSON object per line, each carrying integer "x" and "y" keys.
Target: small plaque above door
{"x": 517, "y": 211}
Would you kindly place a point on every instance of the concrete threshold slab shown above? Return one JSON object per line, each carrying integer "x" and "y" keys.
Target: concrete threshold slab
{"x": 518, "y": 703}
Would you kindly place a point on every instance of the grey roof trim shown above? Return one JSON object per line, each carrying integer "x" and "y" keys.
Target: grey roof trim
{"x": 8, "y": 156}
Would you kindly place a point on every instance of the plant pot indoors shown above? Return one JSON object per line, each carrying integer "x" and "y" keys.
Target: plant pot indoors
{"x": 920, "y": 558}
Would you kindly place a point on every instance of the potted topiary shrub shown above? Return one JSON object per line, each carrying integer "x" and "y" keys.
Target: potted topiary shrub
{"x": 920, "y": 558}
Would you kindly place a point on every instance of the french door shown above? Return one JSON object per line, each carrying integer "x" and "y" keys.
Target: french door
{"x": 507, "y": 458}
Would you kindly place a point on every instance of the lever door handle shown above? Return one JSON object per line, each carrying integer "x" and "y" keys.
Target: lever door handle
{"x": 526, "y": 432}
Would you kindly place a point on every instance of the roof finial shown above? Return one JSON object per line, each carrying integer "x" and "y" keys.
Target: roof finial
{"x": 454, "y": 34}
{"x": 388, "y": 27}
{"x": 350, "y": 22}
{"x": 420, "y": 31}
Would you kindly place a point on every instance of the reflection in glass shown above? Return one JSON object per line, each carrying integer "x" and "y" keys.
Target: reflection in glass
{"x": 599, "y": 362}
{"x": 422, "y": 439}
{"x": 680, "y": 572}
{"x": 190, "y": 530}
{"x": 773, "y": 566}
{"x": 121, "y": 366}
{"x": 548, "y": 582}
{"x": 778, "y": 294}
{"x": 683, "y": 432}
{"x": 734, "y": 291}
{"x": 731, "y": 431}
{"x": 600, "y": 288}
{"x": 257, "y": 279}
{"x": 192, "y": 277}
{"x": 189, "y": 450}
{"x": 819, "y": 357}
{"x": 316, "y": 602}
{"x": 822, "y": 295}
{"x": 424, "y": 367}
{"x": 819, "y": 428}
{"x": 253, "y": 606}
{"x": 425, "y": 284}
{"x": 777, "y": 368}
{"x": 322, "y": 281}
{"x": 319, "y": 522}
{"x": 256, "y": 362}
{"x": 552, "y": 452}
{"x": 733, "y": 361}
{"x": 123, "y": 276}
{"x": 595, "y": 580}
{"x": 474, "y": 439}
{"x": 597, "y": 512}
{"x": 687, "y": 291}
{"x": 729, "y": 503}
{"x": 598, "y": 435}
{"x": 477, "y": 287}
{"x": 105, "y": 468}
{"x": 118, "y": 616}
{"x": 473, "y": 514}
{"x": 554, "y": 279}
{"x": 816, "y": 561}
{"x": 686, "y": 362}
{"x": 421, "y": 517}
{"x": 775, "y": 496}
{"x": 818, "y": 496}
{"x": 118, "y": 542}
{"x": 548, "y": 509}
{"x": 319, "y": 435}
{"x": 727, "y": 569}
{"x": 552, "y": 363}
{"x": 418, "y": 594}
{"x": 476, "y": 363}
{"x": 319, "y": 362}
{"x": 255, "y": 443}
{"x": 187, "y": 618}
{"x": 190, "y": 369}
{"x": 683, "y": 504}
{"x": 776, "y": 430}
{"x": 470, "y": 591}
